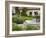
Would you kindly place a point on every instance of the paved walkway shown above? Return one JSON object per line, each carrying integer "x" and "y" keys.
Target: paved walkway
{"x": 33, "y": 21}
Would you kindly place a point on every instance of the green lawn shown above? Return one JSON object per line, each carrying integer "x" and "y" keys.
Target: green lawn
{"x": 17, "y": 20}
{"x": 18, "y": 27}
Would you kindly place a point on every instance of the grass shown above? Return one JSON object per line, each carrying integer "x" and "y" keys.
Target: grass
{"x": 17, "y": 27}
{"x": 32, "y": 27}
{"x": 16, "y": 20}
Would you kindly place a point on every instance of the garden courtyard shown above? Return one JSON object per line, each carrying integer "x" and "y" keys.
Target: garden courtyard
{"x": 21, "y": 20}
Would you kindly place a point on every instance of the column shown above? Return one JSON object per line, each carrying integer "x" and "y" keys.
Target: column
{"x": 33, "y": 13}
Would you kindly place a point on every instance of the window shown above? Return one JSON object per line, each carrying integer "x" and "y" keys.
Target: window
{"x": 30, "y": 13}
{"x": 36, "y": 13}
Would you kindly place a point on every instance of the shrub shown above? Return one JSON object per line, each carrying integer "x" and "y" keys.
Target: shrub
{"x": 14, "y": 19}
{"x": 16, "y": 27}
{"x": 27, "y": 17}
{"x": 18, "y": 20}
{"x": 36, "y": 16}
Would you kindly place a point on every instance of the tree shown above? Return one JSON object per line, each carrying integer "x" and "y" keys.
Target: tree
{"x": 17, "y": 10}
{"x": 23, "y": 13}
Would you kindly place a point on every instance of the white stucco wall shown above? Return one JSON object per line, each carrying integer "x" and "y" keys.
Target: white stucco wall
{"x": 13, "y": 10}
{"x": 28, "y": 12}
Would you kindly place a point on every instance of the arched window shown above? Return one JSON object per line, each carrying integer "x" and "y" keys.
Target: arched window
{"x": 36, "y": 13}
{"x": 30, "y": 13}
